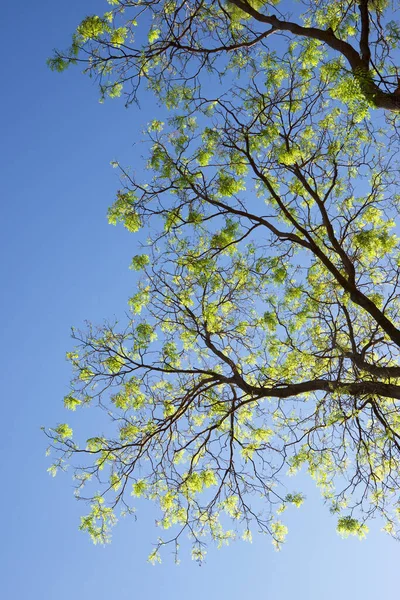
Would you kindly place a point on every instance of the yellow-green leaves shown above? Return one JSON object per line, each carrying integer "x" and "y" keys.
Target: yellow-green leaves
{"x": 154, "y": 34}
{"x": 230, "y": 506}
{"x": 171, "y": 356}
{"x": 279, "y": 532}
{"x": 171, "y": 219}
{"x": 118, "y": 36}
{"x": 85, "y": 374}
{"x": 52, "y": 470}
{"x": 115, "y": 481}
{"x": 194, "y": 482}
{"x": 114, "y": 363}
{"x": 227, "y": 185}
{"x": 374, "y": 242}
{"x": 130, "y": 396}
{"x": 156, "y": 125}
{"x": 204, "y": 156}
{"x": 91, "y": 28}
{"x": 71, "y": 402}
{"x": 349, "y": 526}
{"x": 139, "y": 300}
{"x": 114, "y": 90}
{"x": 247, "y": 536}
{"x": 58, "y": 64}
{"x": 128, "y": 432}
{"x": 198, "y": 554}
{"x": 296, "y": 499}
{"x": 64, "y": 431}
{"x": 262, "y": 435}
{"x": 312, "y": 54}
{"x": 224, "y": 238}
{"x": 348, "y": 89}
{"x": 95, "y": 444}
{"x": 139, "y": 488}
{"x": 291, "y": 156}
{"x": 139, "y": 262}
{"x": 145, "y": 334}
{"x": 123, "y": 211}
{"x": 267, "y": 293}
{"x": 209, "y": 478}
{"x": 99, "y": 521}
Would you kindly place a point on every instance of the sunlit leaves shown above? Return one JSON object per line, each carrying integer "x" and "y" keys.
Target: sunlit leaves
{"x": 154, "y": 34}
{"x": 348, "y": 89}
{"x": 91, "y": 28}
{"x": 118, "y": 36}
{"x": 224, "y": 238}
{"x": 349, "y": 526}
{"x": 279, "y": 532}
{"x": 139, "y": 262}
{"x": 98, "y": 522}
{"x": 114, "y": 90}
{"x": 139, "y": 488}
{"x": 261, "y": 336}
{"x": 63, "y": 430}
{"x": 139, "y": 300}
{"x": 71, "y": 402}
{"x": 228, "y": 185}
{"x": 114, "y": 363}
{"x": 296, "y": 499}
{"x": 57, "y": 63}
{"x": 145, "y": 333}
{"x": 123, "y": 211}
{"x": 95, "y": 444}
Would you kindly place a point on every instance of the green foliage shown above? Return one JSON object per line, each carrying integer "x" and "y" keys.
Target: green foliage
{"x": 91, "y": 28}
{"x": 71, "y": 403}
{"x": 123, "y": 211}
{"x": 63, "y": 430}
{"x": 171, "y": 34}
{"x": 279, "y": 532}
{"x": 98, "y": 521}
{"x": 268, "y": 337}
{"x": 139, "y": 262}
{"x": 349, "y": 526}
{"x": 139, "y": 300}
{"x": 118, "y": 36}
{"x": 57, "y": 63}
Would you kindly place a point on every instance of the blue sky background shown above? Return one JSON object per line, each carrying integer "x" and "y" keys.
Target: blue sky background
{"x": 62, "y": 263}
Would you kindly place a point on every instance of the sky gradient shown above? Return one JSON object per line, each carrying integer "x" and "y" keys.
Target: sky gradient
{"x": 61, "y": 264}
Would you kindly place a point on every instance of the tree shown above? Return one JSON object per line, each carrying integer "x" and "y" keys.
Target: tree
{"x": 357, "y": 41}
{"x": 263, "y": 336}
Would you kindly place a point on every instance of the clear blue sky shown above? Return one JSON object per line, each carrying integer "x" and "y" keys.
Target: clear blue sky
{"x": 62, "y": 263}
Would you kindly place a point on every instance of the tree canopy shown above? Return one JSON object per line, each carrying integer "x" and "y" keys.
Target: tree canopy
{"x": 264, "y": 335}
{"x": 165, "y": 41}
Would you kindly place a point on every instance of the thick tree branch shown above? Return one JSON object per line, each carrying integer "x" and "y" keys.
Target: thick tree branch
{"x": 359, "y": 64}
{"x": 377, "y": 370}
{"x": 358, "y": 389}
{"x": 364, "y": 36}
